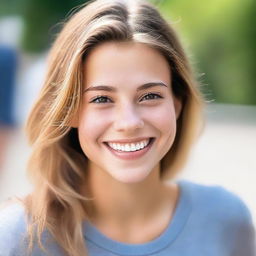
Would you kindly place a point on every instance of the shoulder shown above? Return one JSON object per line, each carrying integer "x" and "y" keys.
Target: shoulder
{"x": 216, "y": 199}
{"x": 222, "y": 212}
{"x": 12, "y": 217}
{"x": 12, "y": 226}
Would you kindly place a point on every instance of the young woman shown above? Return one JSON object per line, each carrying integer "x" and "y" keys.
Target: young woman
{"x": 114, "y": 122}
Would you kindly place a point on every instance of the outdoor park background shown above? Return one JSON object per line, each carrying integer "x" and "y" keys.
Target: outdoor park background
{"x": 220, "y": 38}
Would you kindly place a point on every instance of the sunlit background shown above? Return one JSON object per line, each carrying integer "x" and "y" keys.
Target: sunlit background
{"x": 220, "y": 39}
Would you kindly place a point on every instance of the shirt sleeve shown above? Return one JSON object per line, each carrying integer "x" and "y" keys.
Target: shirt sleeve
{"x": 244, "y": 242}
{"x": 12, "y": 230}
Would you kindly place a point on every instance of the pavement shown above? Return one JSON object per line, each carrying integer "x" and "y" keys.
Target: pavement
{"x": 225, "y": 155}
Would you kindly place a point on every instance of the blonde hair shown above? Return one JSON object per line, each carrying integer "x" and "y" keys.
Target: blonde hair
{"x": 57, "y": 162}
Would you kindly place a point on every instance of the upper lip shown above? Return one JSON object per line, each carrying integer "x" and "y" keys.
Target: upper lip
{"x": 128, "y": 140}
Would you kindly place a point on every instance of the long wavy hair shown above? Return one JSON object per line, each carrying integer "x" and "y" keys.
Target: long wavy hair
{"x": 57, "y": 165}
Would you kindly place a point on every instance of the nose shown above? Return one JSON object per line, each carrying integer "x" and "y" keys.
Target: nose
{"x": 128, "y": 119}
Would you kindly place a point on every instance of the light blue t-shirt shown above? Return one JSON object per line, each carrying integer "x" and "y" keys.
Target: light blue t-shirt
{"x": 208, "y": 220}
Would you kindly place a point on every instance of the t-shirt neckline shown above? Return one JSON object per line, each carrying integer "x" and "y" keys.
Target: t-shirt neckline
{"x": 168, "y": 236}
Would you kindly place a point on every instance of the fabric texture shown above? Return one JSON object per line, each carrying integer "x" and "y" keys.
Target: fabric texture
{"x": 208, "y": 220}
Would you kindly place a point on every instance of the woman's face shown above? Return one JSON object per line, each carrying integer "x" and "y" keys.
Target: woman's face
{"x": 127, "y": 122}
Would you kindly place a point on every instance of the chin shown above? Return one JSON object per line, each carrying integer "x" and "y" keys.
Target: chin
{"x": 131, "y": 177}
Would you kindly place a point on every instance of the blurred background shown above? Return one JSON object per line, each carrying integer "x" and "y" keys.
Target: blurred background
{"x": 220, "y": 39}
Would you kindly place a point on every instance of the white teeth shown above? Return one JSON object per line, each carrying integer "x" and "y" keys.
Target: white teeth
{"x": 129, "y": 147}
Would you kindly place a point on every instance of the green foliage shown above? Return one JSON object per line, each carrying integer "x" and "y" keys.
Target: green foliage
{"x": 222, "y": 39}
{"x": 11, "y": 7}
{"x": 219, "y": 35}
{"x": 43, "y": 21}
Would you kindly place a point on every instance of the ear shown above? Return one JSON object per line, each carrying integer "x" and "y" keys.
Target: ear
{"x": 177, "y": 106}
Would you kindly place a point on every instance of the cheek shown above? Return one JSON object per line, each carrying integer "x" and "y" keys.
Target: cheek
{"x": 91, "y": 126}
{"x": 164, "y": 118}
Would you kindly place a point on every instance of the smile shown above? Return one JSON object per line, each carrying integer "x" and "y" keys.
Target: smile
{"x": 130, "y": 150}
{"x": 129, "y": 147}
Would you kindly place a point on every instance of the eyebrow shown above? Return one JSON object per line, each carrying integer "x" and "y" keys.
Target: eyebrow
{"x": 114, "y": 89}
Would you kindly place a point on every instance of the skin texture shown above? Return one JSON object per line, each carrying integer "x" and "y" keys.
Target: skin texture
{"x": 128, "y": 193}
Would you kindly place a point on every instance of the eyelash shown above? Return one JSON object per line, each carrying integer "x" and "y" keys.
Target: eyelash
{"x": 97, "y": 98}
{"x": 100, "y": 97}
{"x": 155, "y": 95}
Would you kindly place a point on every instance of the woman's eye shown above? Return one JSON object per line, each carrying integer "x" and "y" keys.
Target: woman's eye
{"x": 101, "y": 99}
{"x": 151, "y": 96}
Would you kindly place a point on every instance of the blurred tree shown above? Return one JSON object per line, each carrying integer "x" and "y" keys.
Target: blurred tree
{"x": 40, "y": 18}
{"x": 222, "y": 36}
{"x": 11, "y": 7}
{"x": 250, "y": 39}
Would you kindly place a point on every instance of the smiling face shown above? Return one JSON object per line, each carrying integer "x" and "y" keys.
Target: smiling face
{"x": 127, "y": 122}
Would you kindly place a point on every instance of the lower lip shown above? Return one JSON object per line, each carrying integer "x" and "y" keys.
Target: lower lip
{"x": 131, "y": 155}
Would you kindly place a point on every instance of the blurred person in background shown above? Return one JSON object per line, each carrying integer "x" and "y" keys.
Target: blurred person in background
{"x": 8, "y": 67}
{"x": 10, "y": 33}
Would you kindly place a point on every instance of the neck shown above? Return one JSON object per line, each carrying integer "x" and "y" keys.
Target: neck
{"x": 115, "y": 202}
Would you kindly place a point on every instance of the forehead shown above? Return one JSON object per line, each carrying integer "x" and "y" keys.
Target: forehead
{"x": 118, "y": 63}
